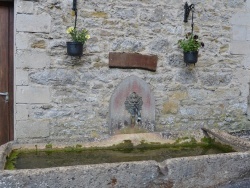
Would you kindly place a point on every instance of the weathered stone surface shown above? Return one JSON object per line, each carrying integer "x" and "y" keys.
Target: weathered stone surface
{"x": 248, "y": 4}
{"x": 175, "y": 60}
{"x": 159, "y": 46}
{"x": 170, "y": 107}
{"x": 56, "y": 77}
{"x": 35, "y": 94}
{"x": 23, "y": 77}
{"x": 22, "y": 112}
{"x": 39, "y": 44}
{"x": 32, "y": 129}
{"x": 32, "y": 59}
{"x": 127, "y": 45}
{"x": 132, "y": 60}
{"x": 187, "y": 77}
{"x": 33, "y": 23}
{"x": 23, "y": 40}
{"x": 239, "y": 47}
{"x": 241, "y": 19}
{"x": 135, "y": 174}
{"x": 239, "y": 32}
{"x": 240, "y": 183}
{"x": 215, "y": 79}
{"x": 197, "y": 173}
{"x": 25, "y": 7}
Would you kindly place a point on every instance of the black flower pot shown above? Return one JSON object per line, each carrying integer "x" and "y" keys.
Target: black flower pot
{"x": 74, "y": 48}
{"x": 190, "y": 57}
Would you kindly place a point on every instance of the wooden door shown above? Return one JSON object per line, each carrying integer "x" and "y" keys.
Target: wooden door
{"x": 6, "y": 71}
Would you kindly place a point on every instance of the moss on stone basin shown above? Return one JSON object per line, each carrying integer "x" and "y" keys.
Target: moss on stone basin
{"x": 122, "y": 152}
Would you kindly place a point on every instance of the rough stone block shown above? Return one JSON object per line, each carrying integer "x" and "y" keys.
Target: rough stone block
{"x": 32, "y": 59}
{"x": 178, "y": 95}
{"x": 22, "y": 77}
{"x": 39, "y": 44}
{"x": 196, "y": 170}
{"x": 239, "y": 47}
{"x": 239, "y": 32}
{"x": 22, "y": 112}
{"x": 33, "y": 23}
{"x": 132, "y": 60}
{"x": 32, "y": 129}
{"x": 170, "y": 107}
{"x": 25, "y": 7}
{"x": 34, "y": 94}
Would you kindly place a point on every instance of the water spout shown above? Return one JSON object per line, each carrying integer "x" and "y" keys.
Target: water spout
{"x": 133, "y": 105}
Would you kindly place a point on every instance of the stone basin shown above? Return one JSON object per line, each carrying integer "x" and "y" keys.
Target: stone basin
{"x": 220, "y": 170}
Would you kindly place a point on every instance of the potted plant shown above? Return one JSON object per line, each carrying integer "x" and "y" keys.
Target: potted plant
{"x": 79, "y": 37}
{"x": 190, "y": 46}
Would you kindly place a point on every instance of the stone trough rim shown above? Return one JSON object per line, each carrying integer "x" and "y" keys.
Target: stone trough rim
{"x": 5, "y": 149}
{"x": 213, "y": 170}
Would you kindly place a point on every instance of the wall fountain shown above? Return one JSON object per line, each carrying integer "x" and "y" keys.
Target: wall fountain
{"x": 132, "y": 105}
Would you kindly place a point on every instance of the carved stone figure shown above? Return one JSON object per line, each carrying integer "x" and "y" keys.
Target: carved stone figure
{"x": 133, "y": 105}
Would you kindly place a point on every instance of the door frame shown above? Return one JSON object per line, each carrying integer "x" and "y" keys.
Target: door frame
{"x": 10, "y": 4}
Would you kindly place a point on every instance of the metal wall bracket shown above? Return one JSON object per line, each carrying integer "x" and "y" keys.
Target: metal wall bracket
{"x": 6, "y": 94}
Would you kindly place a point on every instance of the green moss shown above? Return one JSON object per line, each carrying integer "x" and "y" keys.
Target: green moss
{"x": 185, "y": 146}
{"x": 48, "y": 146}
{"x": 78, "y": 146}
{"x": 208, "y": 142}
{"x": 130, "y": 130}
{"x": 11, "y": 160}
{"x": 187, "y": 140}
{"x": 125, "y": 146}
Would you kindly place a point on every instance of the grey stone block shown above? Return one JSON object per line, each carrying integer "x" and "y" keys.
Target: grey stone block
{"x": 32, "y": 129}
{"x": 240, "y": 47}
{"x": 23, "y": 77}
{"x": 25, "y": 7}
{"x": 32, "y": 59}
{"x": 35, "y": 94}
{"x": 33, "y": 23}
{"x": 241, "y": 18}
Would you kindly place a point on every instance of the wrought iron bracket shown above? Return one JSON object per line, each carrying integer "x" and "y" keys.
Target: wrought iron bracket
{"x": 187, "y": 9}
{"x": 74, "y": 10}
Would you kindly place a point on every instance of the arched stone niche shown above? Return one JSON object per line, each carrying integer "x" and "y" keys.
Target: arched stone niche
{"x": 119, "y": 115}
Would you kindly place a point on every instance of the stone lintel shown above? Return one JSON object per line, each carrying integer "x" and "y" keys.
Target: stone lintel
{"x": 132, "y": 60}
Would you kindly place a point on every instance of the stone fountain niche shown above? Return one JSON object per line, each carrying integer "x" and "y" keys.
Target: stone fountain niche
{"x": 132, "y": 106}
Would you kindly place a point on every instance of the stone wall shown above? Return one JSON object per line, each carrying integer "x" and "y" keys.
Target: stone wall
{"x": 63, "y": 97}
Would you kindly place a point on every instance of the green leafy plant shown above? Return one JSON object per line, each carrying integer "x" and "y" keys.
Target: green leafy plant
{"x": 191, "y": 43}
{"x": 11, "y": 160}
{"x": 78, "y": 35}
